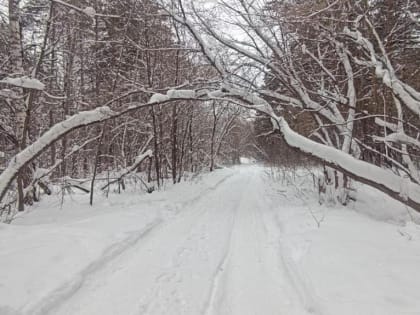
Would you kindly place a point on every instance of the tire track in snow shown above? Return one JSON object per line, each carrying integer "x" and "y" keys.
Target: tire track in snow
{"x": 170, "y": 274}
{"x": 211, "y": 303}
{"x": 68, "y": 289}
{"x": 173, "y": 274}
{"x": 204, "y": 193}
{"x": 298, "y": 279}
{"x": 218, "y": 275}
{"x": 300, "y": 282}
{"x": 250, "y": 281}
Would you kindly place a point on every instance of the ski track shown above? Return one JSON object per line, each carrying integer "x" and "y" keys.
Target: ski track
{"x": 251, "y": 280}
{"x": 220, "y": 269}
{"x": 68, "y": 289}
{"x": 60, "y": 295}
{"x": 297, "y": 279}
{"x": 218, "y": 254}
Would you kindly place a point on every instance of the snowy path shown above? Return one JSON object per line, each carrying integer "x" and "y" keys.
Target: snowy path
{"x": 213, "y": 257}
{"x": 228, "y": 245}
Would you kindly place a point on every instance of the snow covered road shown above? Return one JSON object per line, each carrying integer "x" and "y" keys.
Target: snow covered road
{"x": 212, "y": 257}
{"x": 224, "y": 247}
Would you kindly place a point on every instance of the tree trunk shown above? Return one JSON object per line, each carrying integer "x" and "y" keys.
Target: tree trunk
{"x": 155, "y": 146}
{"x": 16, "y": 68}
{"x": 95, "y": 167}
{"x": 213, "y": 133}
{"x": 174, "y": 143}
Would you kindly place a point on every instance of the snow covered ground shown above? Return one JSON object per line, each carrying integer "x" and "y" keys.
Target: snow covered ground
{"x": 232, "y": 242}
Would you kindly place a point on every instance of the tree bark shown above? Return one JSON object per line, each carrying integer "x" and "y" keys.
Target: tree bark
{"x": 16, "y": 68}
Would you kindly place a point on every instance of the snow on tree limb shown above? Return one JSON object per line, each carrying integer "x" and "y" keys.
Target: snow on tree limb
{"x": 384, "y": 71}
{"x": 132, "y": 167}
{"x": 76, "y": 121}
{"x": 158, "y": 98}
{"x": 90, "y": 12}
{"x": 40, "y": 174}
{"x": 182, "y": 94}
{"x": 386, "y": 124}
{"x": 399, "y": 137}
{"x": 397, "y": 187}
{"x": 22, "y": 158}
{"x": 24, "y": 82}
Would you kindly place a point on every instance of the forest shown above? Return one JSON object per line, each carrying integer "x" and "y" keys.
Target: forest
{"x": 209, "y": 157}
{"x": 88, "y": 88}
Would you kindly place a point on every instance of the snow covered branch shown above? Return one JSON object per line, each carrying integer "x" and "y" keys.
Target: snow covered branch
{"x": 131, "y": 168}
{"x": 79, "y": 120}
{"x": 24, "y": 82}
{"x": 27, "y": 155}
{"x": 397, "y": 187}
{"x": 384, "y": 71}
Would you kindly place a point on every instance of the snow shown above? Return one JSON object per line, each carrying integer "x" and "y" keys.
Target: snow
{"x": 25, "y": 156}
{"x": 133, "y": 167}
{"x": 183, "y": 94}
{"x": 40, "y": 172}
{"x": 246, "y": 160}
{"x": 215, "y": 94}
{"x": 387, "y": 124}
{"x": 231, "y": 242}
{"x": 399, "y": 137}
{"x": 172, "y": 95}
{"x": 141, "y": 157}
{"x": 25, "y": 82}
{"x": 363, "y": 170}
{"x": 89, "y": 11}
{"x": 158, "y": 98}
{"x": 384, "y": 71}
{"x": 7, "y": 93}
